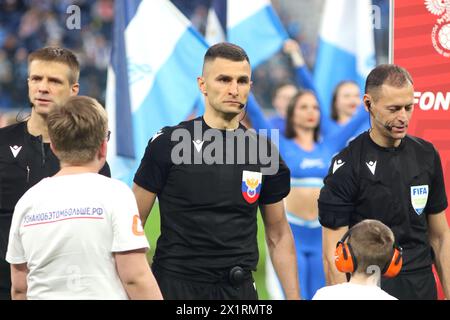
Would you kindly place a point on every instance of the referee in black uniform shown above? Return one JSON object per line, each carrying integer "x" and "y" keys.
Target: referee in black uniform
{"x": 387, "y": 175}
{"x": 208, "y": 245}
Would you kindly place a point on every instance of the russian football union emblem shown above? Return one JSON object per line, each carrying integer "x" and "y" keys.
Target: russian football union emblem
{"x": 251, "y": 185}
{"x": 440, "y": 35}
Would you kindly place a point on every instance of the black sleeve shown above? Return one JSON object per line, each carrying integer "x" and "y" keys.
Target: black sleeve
{"x": 276, "y": 186}
{"x": 155, "y": 165}
{"x": 336, "y": 200}
{"x": 437, "y": 199}
{"x": 106, "y": 171}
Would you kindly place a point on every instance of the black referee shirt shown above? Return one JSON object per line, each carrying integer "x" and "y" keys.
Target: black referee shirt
{"x": 208, "y": 224}
{"x": 398, "y": 186}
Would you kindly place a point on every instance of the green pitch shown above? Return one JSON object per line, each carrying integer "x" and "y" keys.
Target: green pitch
{"x": 152, "y": 232}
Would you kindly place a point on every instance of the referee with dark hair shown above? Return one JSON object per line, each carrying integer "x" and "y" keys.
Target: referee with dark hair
{"x": 208, "y": 246}
{"x": 387, "y": 175}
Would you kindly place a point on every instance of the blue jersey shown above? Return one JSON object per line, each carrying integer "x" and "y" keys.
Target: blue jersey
{"x": 277, "y": 122}
{"x": 308, "y": 168}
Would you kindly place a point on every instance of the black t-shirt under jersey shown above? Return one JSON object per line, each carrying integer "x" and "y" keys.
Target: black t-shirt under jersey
{"x": 366, "y": 181}
{"x": 207, "y": 225}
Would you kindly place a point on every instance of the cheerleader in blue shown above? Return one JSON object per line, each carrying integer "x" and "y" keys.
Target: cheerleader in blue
{"x": 345, "y": 100}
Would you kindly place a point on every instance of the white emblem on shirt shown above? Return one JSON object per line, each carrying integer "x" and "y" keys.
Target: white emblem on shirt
{"x": 15, "y": 150}
{"x": 198, "y": 144}
{"x": 372, "y": 165}
{"x": 337, "y": 164}
{"x": 419, "y": 198}
{"x": 312, "y": 163}
{"x": 156, "y": 135}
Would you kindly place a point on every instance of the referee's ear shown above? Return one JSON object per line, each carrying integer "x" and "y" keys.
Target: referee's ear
{"x": 74, "y": 89}
{"x": 201, "y": 85}
{"x": 367, "y": 102}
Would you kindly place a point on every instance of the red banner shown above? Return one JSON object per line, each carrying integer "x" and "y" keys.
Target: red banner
{"x": 421, "y": 44}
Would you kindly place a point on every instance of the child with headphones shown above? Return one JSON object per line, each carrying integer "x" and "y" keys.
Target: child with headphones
{"x": 364, "y": 253}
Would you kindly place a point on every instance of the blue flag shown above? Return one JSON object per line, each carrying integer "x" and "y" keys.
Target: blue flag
{"x": 252, "y": 25}
{"x": 157, "y": 55}
{"x": 346, "y": 47}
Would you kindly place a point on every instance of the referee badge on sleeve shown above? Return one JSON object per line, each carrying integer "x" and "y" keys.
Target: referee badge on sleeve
{"x": 251, "y": 185}
{"x": 419, "y": 197}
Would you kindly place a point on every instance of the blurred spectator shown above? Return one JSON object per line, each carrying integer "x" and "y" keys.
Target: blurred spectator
{"x": 8, "y": 118}
{"x": 26, "y": 25}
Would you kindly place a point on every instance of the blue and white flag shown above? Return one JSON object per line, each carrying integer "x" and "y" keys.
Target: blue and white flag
{"x": 157, "y": 55}
{"x": 252, "y": 25}
{"x": 216, "y": 23}
{"x": 346, "y": 47}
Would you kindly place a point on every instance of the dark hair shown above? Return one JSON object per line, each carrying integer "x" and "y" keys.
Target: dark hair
{"x": 290, "y": 128}
{"x": 334, "y": 111}
{"x": 372, "y": 244}
{"x": 61, "y": 55}
{"x": 227, "y": 51}
{"x": 280, "y": 85}
{"x": 389, "y": 74}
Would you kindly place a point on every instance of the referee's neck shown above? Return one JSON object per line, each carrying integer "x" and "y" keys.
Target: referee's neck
{"x": 221, "y": 121}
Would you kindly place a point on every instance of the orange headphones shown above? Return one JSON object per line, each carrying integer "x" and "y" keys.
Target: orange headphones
{"x": 346, "y": 262}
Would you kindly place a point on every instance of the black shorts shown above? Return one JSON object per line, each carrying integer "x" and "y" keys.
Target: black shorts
{"x": 174, "y": 287}
{"x": 5, "y": 280}
{"x": 5, "y": 268}
{"x": 412, "y": 285}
